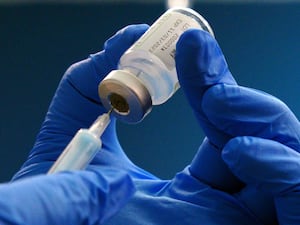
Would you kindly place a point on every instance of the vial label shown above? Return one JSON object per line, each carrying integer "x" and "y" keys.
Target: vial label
{"x": 162, "y": 36}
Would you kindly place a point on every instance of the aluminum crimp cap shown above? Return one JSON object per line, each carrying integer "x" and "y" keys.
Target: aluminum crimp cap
{"x": 125, "y": 93}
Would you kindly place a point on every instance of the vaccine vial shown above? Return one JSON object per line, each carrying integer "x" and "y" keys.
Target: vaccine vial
{"x": 146, "y": 73}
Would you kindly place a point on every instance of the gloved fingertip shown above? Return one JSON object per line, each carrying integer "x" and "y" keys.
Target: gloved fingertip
{"x": 125, "y": 37}
{"x": 188, "y": 53}
{"x": 121, "y": 41}
{"x": 131, "y": 33}
{"x": 239, "y": 155}
{"x": 200, "y": 59}
{"x": 200, "y": 64}
{"x": 192, "y": 38}
{"x": 231, "y": 152}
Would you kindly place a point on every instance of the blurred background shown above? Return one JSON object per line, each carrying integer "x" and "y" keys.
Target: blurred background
{"x": 38, "y": 42}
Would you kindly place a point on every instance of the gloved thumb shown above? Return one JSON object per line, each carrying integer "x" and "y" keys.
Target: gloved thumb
{"x": 200, "y": 64}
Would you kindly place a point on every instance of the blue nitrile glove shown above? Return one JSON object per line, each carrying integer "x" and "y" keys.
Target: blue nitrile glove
{"x": 227, "y": 111}
{"x": 185, "y": 199}
{"x": 82, "y": 197}
{"x": 270, "y": 166}
{"x": 76, "y": 105}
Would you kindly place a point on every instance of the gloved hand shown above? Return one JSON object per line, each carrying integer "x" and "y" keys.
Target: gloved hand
{"x": 229, "y": 114}
{"x": 188, "y": 198}
{"x": 82, "y": 197}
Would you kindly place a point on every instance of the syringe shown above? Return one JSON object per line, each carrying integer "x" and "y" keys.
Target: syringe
{"x": 83, "y": 147}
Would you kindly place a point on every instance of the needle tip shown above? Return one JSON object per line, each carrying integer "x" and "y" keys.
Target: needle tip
{"x": 109, "y": 112}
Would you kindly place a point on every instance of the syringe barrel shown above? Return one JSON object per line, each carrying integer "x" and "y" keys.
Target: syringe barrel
{"x": 79, "y": 152}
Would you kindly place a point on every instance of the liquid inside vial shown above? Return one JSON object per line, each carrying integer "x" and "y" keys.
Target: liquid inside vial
{"x": 152, "y": 57}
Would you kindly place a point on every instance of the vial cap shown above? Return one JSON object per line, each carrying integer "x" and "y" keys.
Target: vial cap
{"x": 126, "y": 95}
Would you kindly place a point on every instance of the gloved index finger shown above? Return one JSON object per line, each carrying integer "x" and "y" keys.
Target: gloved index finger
{"x": 122, "y": 40}
{"x": 271, "y": 171}
{"x": 200, "y": 65}
{"x": 274, "y": 166}
{"x": 85, "y": 76}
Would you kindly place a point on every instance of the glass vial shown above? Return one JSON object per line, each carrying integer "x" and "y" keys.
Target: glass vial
{"x": 146, "y": 74}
